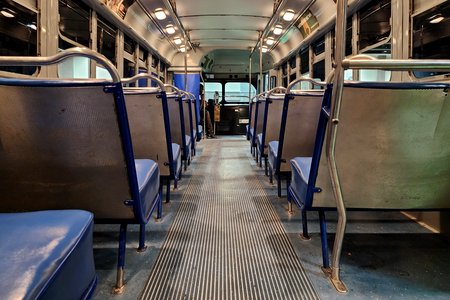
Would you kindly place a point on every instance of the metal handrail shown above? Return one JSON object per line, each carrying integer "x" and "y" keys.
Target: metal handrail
{"x": 54, "y": 59}
{"x": 336, "y": 96}
{"x": 174, "y": 89}
{"x": 144, "y": 76}
{"x": 356, "y": 62}
{"x": 272, "y": 91}
{"x": 396, "y": 64}
{"x": 310, "y": 80}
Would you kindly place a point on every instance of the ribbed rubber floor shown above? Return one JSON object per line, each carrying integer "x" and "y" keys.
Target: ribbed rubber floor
{"x": 226, "y": 241}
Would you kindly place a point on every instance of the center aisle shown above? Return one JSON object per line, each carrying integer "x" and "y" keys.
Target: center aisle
{"x": 226, "y": 241}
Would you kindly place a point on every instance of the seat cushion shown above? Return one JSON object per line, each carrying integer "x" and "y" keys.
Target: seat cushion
{"x": 46, "y": 255}
{"x": 193, "y": 139}
{"x": 187, "y": 152}
{"x": 300, "y": 167}
{"x": 147, "y": 172}
{"x": 188, "y": 140}
{"x": 273, "y": 153}
{"x": 200, "y": 132}
{"x": 249, "y": 132}
{"x": 176, "y": 151}
{"x": 259, "y": 142}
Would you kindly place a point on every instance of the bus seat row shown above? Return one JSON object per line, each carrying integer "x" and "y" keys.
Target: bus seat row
{"x": 47, "y": 255}
{"x": 73, "y": 144}
{"x": 387, "y": 148}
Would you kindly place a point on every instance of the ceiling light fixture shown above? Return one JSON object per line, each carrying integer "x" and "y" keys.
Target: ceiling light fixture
{"x": 170, "y": 29}
{"x": 160, "y": 14}
{"x": 183, "y": 49}
{"x": 6, "y": 14}
{"x": 436, "y": 19}
{"x": 264, "y": 49}
{"x": 270, "y": 41}
{"x": 278, "y": 30}
{"x": 177, "y": 41}
{"x": 289, "y": 15}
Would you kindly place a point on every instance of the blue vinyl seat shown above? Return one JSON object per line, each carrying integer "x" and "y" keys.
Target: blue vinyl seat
{"x": 47, "y": 255}
{"x": 300, "y": 167}
{"x": 273, "y": 157}
{"x": 176, "y": 153}
{"x": 200, "y": 132}
{"x": 147, "y": 173}
{"x": 188, "y": 142}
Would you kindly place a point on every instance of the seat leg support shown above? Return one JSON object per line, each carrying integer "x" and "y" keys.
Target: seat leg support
{"x": 142, "y": 247}
{"x": 159, "y": 207}
{"x": 305, "y": 235}
{"x": 120, "y": 283}
{"x": 168, "y": 190}
{"x": 279, "y": 185}
{"x": 323, "y": 240}
{"x": 265, "y": 166}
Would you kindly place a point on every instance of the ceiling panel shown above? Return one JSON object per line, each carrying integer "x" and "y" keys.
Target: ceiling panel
{"x": 244, "y": 7}
{"x": 225, "y": 24}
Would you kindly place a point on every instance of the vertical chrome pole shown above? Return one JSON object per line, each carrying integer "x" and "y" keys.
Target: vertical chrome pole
{"x": 250, "y": 81}
{"x": 261, "y": 80}
{"x": 336, "y": 97}
{"x": 185, "y": 63}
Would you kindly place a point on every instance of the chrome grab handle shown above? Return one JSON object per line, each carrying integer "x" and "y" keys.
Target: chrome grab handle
{"x": 144, "y": 76}
{"x": 174, "y": 89}
{"x": 54, "y": 59}
{"x": 301, "y": 79}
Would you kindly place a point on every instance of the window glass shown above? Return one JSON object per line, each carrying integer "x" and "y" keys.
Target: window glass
{"x": 348, "y": 37}
{"x": 273, "y": 82}
{"x": 284, "y": 68}
{"x": 238, "y": 92}
{"x": 129, "y": 45}
{"x": 304, "y": 60}
{"x": 143, "y": 54}
{"x": 293, "y": 62}
{"x": 319, "y": 46}
{"x": 319, "y": 70}
{"x": 431, "y": 36}
{"x": 128, "y": 68}
{"x": 211, "y": 88}
{"x": 74, "y": 22}
{"x": 106, "y": 39}
{"x": 380, "y": 52}
{"x": 292, "y": 77}
{"x": 102, "y": 73}
{"x": 74, "y": 67}
{"x": 18, "y": 35}
{"x": 155, "y": 61}
{"x": 374, "y": 23}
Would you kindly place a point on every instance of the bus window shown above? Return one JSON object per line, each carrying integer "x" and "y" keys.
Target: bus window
{"x": 237, "y": 92}
{"x": 129, "y": 45}
{"x": 273, "y": 82}
{"x": 211, "y": 88}
{"x": 18, "y": 35}
{"x": 319, "y": 70}
{"x": 381, "y": 52}
{"x": 106, "y": 39}
{"x": 74, "y": 67}
{"x": 374, "y": 23}
{"x": 304, "y": 60}
{"x": 319, "y": 46}
{"x": 73, "y": 24}
{"x": 431, "y": 36}
{"x": 101, "y": 73}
